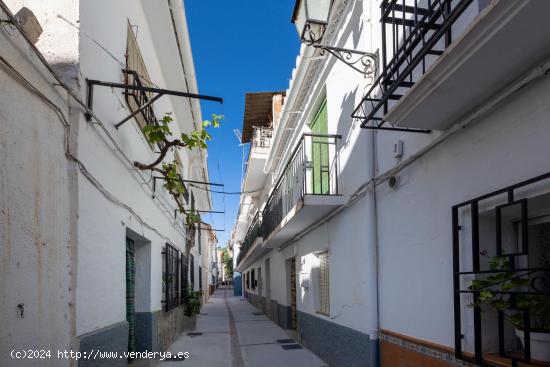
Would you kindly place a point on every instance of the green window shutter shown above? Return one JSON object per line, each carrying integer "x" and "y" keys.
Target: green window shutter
{"x": 320, "y": 152}
{"x": 130, "y": 293}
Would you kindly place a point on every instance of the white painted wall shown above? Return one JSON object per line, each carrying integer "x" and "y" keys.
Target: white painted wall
{"x": 88, "y": 40}
{"x": 37, "y": 208}
{"x": 413, "y": 221}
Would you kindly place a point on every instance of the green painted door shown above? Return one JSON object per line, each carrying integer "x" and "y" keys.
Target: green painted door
{"x": 320, "y": 153}
{"x": 131, "y": 293}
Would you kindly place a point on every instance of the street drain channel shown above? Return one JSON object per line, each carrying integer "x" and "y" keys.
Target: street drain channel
{"x": 286, "y": 341}
{"x": 291, "y": 346}
{"x": 257, "y": 313}
{"x": 192, "y": 335}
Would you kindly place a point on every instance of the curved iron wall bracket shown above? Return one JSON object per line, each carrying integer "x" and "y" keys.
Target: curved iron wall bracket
{"x": 310, "y": 38}
{"x": 365, "y": 63}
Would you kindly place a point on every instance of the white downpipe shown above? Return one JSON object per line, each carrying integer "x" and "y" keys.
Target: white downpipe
{"x": 371, "y": 267}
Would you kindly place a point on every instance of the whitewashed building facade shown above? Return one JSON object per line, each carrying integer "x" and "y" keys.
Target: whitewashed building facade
{"x": 93, "y": 251}
{"x": 373, "y": 205}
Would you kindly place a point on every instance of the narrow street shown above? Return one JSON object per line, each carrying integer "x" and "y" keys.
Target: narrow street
{"x": 232, "y": 333}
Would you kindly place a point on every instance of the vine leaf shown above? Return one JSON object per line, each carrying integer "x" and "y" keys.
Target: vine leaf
{"x": 160, "y": 134}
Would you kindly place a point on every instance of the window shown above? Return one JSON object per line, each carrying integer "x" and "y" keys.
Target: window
{"x": 200, "y": 278}
{"x": 179, "y": 167}
{"x": 171, "y": 274}
{"x": 184, "y": 276}
{"x": 247, "y": 280}
{"x": 200, "y": 237}
{"x": 320, "y": 150}
{"x": 324, "y": 294}
{"x": 131, "y": 292}
{"x": 253, "y": 278}
{"x": 136, "y": 74}
{"x": 501, "y": 255}
{"x": 192, "y": 272}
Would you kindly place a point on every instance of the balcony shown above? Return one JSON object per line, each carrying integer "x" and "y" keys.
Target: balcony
{"x": 306, "y": 191}
{"x": 261, "y": 139}
{"x": 253, "y": 240}
{"x": 448, "y": 57}
{"x": 260, "y": 145}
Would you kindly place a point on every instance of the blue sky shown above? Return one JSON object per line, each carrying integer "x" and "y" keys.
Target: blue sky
{"x": 238, "y": 47}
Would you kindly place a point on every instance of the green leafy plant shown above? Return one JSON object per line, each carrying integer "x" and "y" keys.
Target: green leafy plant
{"x": 502, "y": 280}
{"x": 192, "y": 302}
{"x": 227, "y": 261}
{"x": 161, "y": 135}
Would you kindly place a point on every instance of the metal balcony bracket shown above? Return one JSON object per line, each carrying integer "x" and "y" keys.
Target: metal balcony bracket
{"x": 365, "y": 63}
{"x": 392, "y": 128}
{"x": 158, "y": 93}
{"x": 141, "y": 109}
{"x": 378, "y": 123}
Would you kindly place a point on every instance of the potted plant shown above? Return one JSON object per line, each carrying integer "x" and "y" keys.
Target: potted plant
{"x": 192, "y": 306}
{"x": 538, "y": 305}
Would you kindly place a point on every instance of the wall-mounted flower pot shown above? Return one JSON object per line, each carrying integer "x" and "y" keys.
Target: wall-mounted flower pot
{"x": 540, "y": 345}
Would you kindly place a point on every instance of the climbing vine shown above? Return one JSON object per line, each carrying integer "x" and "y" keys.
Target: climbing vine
{"x": 161, "y": 135}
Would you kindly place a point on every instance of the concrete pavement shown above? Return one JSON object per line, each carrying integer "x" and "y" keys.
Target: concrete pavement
{"x": 231, "y": 333}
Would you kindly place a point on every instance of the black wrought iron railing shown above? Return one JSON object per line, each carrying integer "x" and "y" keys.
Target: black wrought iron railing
{"x": 261, "y": 137}
{"x": 137, "y": 98}
{"x": 311, "y": 170}
{"x": 171, "y": 277}
{"x": 184, "y": 261}
{"x": 254, "y": 232}
{"x": 414, "y": 34}
{"x": 501, "y": 271}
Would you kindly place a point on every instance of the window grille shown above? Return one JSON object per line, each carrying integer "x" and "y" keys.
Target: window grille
{"x": 199, "y": 236}
{"x": 200, "y": 278}
{"x": 324, "y": 293}
{"x": 510, "y": 225}
{"x": 192, "y": 272}
{"x": 171, "y": 277}
{"x": 179, "y": 167}
{"x": 136, "y": 74}
{"x": 262, "y": 137}
{"x": 184, "y": 277}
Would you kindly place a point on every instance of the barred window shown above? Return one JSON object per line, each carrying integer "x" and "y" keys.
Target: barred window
{"x": 170, "y": 277}
{"x": 184, "y": 277}
{"x": 136, "y": 74}
{"x": 192, "y": 271}
{"x": 324, "y": 294}
{"x": 200, "y": 278}
{"x": 179, "y": 168}
{"x": 199, "y": 235}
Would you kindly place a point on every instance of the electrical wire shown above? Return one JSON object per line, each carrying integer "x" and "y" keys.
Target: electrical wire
{"x": 229, "y": 193}
{"x": 72, "y": 94}
{"x": 6, "y": 66}
{"x": 143, "y": 77}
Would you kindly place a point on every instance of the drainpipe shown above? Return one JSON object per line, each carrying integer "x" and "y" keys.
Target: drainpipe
{"x": 373, "y": 306}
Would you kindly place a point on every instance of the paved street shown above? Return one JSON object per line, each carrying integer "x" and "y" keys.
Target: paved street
{"x": 232, "y": 334}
